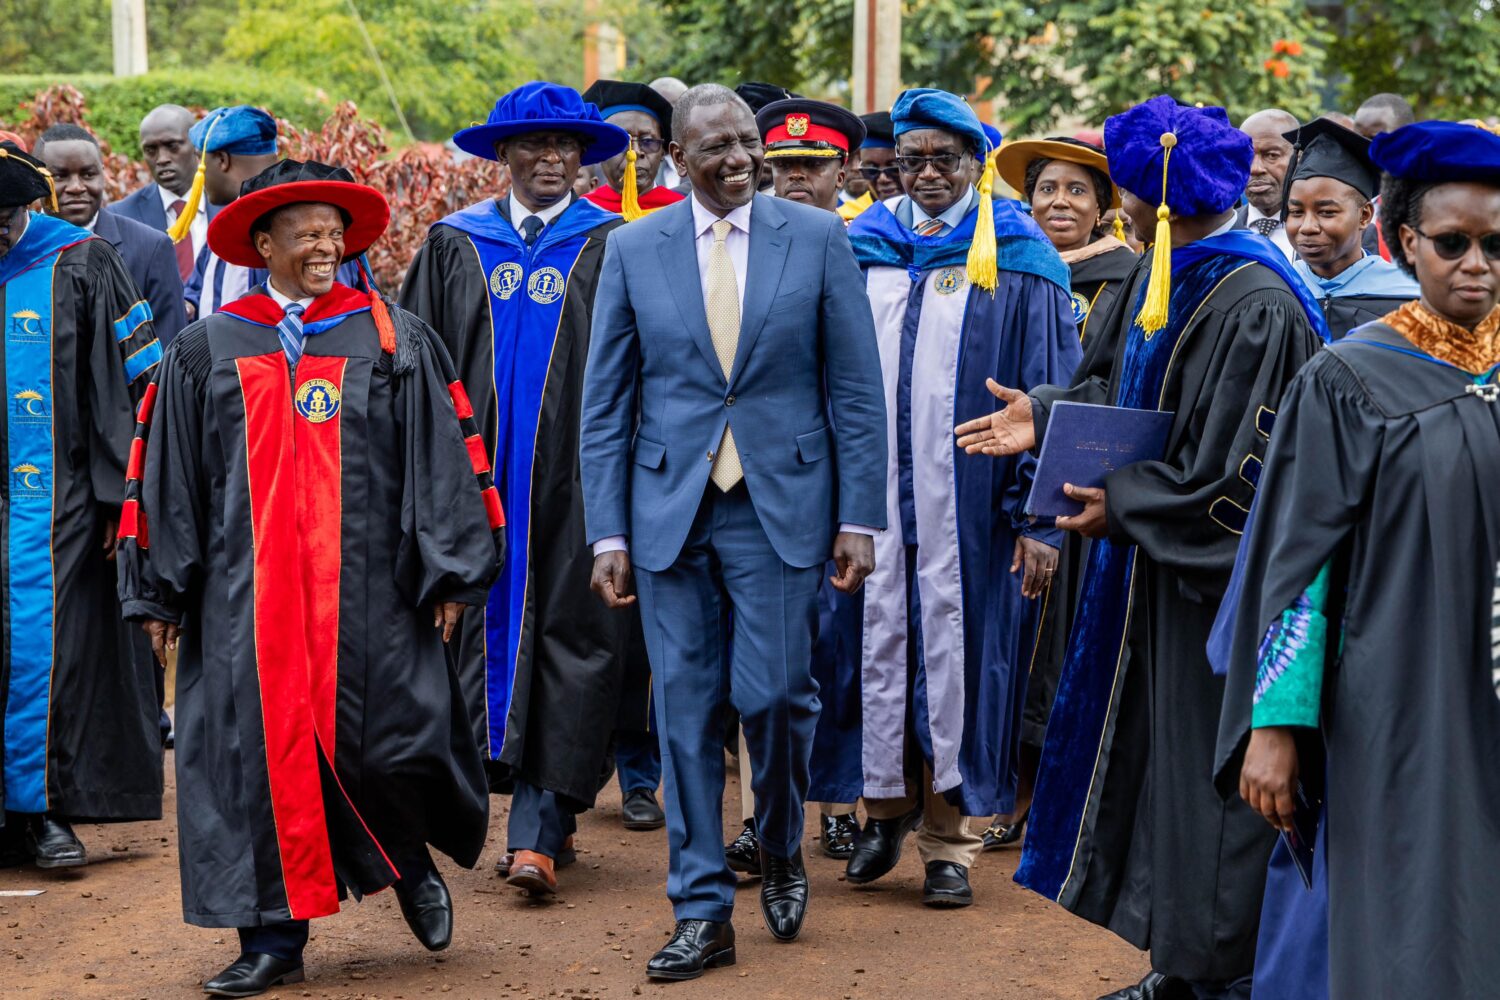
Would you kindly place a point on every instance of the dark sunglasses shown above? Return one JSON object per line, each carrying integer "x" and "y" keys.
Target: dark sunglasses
{"x": 943, "y": 163}
{"x": 1452, "y": 246}
{"x": 872, "y": 173}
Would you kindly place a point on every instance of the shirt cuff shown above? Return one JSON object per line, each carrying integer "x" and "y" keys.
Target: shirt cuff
{"x": 611, "y": 543}
{"x": 857, "y": 529}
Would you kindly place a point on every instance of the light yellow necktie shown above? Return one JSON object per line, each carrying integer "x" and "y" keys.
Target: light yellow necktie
{"x": 722, "y": 304}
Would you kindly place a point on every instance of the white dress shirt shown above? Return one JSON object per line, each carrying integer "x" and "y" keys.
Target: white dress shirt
{"x": 284, "y": 300}
{"x": 519, "y": 212}
{"x": 737, "y": 243}
{"x": 198, "y": 231}
{"x": 950, "y": 217}
{"x": 1278, "y": 235}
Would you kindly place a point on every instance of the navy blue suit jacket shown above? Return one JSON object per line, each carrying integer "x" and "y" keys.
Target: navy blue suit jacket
{"x": 152, "y": 263}
{"x": 144, "y": 206}
{"x": 804, "y": 397}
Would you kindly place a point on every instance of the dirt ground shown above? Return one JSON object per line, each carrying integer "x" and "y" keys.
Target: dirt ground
{"x": 114, "y": 930}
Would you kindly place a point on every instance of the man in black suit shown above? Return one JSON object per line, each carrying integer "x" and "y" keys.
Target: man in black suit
{"x": 73, "y": 157}
{"x": 170, "y": 155}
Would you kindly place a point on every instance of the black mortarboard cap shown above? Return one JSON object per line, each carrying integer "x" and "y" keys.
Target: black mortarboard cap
{"x": 879, "y": 132}
{"x": 758, "y": 95}
{"x": 1324, "y": 148}
{"x": 615, "y": 96}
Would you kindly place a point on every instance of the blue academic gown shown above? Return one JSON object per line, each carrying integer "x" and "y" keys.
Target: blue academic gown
{"x": 942, "y": 596}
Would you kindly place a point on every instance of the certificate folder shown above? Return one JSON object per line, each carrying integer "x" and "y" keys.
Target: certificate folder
{"x": 1084, "y": 444}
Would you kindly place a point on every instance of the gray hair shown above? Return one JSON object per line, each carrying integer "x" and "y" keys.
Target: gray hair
{"x": 706, "y": 95}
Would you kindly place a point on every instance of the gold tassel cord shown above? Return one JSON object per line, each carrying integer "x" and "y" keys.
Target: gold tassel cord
{"x": 1119, "y": 226}
{"x": 983, "y": 263}
{"x": 630, "y": 203}
{"x": 1153, "y": 314}
{"x": 179, "y": 230}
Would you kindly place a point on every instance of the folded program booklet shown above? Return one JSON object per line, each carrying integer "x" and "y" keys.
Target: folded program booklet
{"x": 1084, "y": 444}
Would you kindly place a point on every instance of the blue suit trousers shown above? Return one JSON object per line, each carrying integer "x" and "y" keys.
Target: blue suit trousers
{"x": 728, "y": 572}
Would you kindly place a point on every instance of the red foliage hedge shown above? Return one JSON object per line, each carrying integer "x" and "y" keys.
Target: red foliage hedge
{"x": 422, "y": 182}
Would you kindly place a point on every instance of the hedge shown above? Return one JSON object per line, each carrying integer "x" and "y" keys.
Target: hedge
{"x": 116, "y": 105}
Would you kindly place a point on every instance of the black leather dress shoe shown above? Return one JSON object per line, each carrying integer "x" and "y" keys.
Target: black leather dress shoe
{"x": 743, "y": 854}
{"x": 878, "y": 848}
{"x": 783, "y": 894}
{"x": 54, "y": 844}
{"x": 947, "y": 884}
{"x": 1154, "y": 987}
{"x": 641, "y": 811}
{"x": 696, "y": 945}
{"x": 428, "y": 909}
{"x": 1000, "y": 835}
{"x": 838, "y": 836}
{"x": 252, "y": 974}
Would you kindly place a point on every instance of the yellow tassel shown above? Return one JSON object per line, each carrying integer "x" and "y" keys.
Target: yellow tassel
{"x": 179, "y": 230}
{"x": 630, "y": 204}
{"x": 983, "y": 265}
{"x": 1119, "y": 227}
{"x": 1153, "y": 314}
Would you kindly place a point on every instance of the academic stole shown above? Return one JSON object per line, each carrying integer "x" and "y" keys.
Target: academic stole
{"x": 1088, "y": 690}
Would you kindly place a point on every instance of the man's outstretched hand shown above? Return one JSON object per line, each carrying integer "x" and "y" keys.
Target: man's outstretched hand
{"x": 612, "y": 579}
{"x": 1007, "y": 431}
{"x": 854, "y": 555}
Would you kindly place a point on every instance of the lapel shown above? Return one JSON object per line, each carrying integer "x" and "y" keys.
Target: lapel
{"x": 679, "y": 257}
{"x": 155, "y": 212}
{"x": 768, "y": 248}
{"x": 107, "y": 228}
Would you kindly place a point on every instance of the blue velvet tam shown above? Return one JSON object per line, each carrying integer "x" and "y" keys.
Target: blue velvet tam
{"x": 993, "y": 135}
{"x": 1439, "y": 153}
{"x": 544, "y": 107}
{"x": 1210, "y": 161}
{"x": 239, "y": 131}
{"x": 924, "y": 107}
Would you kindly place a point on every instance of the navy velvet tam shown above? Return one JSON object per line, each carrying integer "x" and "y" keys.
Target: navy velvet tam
{"x": 544, "y": 107}
{"x": 238, "y": 131}
{"x": 1439, "y": 153}
{"x": 924, "y": 107}
{"x": 1210, "y": 158}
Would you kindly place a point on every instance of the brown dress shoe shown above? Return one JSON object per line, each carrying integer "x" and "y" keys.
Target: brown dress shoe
{"x": 564, "y": 858}
{"x": 534, "y": 873}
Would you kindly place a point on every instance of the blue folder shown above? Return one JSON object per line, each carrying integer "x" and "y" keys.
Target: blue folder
{"x": 1084, "y": 444}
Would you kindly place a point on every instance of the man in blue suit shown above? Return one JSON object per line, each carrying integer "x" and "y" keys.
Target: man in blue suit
{"x": 72, "y": 155}
{"x": 733, "y": 439}
{"x": 172, "y": 160}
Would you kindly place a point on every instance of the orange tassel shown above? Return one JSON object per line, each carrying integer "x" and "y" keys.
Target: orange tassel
{"x": 383, "y": 322}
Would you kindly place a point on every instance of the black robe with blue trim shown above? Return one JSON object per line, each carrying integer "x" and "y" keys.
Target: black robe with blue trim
{"x": 78, "y": 715}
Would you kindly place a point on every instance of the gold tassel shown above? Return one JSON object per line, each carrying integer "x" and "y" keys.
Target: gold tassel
{"x": 983, "y": 265}
{"x": 630, "y": 204}
{"x": 179, "y": 230}
{"x": 1153, "y": 314}
{"x": 1120, "y": 226}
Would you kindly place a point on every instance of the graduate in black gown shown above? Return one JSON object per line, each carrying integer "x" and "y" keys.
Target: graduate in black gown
{"x": 78, "y": 726}
{"x": 509, "y": 284}
{"x": 306, "y": 519}
{"x": 1126, "y": 827}
{"x": 1363, "y": 662}
{"x": 1328, "y": 208}
{"x": 1066, "y": 182}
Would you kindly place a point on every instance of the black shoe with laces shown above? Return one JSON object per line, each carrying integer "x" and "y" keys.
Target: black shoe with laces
{"x": 783, "y": 894}
{"x": 696, "y": 945}
{"x": 743, "y": 854}
{"x": 838, "y": 836}
{"x": 54, "y": 844}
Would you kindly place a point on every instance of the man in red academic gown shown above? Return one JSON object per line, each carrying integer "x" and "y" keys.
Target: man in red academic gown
{"x": 647, "y": 116}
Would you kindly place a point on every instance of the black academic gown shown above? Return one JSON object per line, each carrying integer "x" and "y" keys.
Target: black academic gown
{"x": 1384, "y": 462}
{"x": 1350, "y": 311}
{"x": 300, "y": 524}
{"x": 555, "y": 688}
{"x": 1159, "y": 857}
{"x": 78, "y": 717}
{"x": 1096, "y": 282}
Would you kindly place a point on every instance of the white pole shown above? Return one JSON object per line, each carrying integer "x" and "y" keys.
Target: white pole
{"x": 877, "y": 54}
{"x": 130, "y": 37}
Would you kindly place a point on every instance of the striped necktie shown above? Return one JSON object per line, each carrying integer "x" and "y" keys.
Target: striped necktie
{"x": 931, "y": 227}
{"x": 290, "y": 331}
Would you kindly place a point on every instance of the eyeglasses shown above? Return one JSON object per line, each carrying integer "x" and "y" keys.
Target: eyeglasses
{"x": 943, "y": 163}
{"x": 648, "y": 144}
{"x": 1452, "y": 246}
{"x": 872, "y": 173}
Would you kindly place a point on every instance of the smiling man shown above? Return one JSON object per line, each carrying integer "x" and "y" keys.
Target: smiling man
{"x": 509, "y": 284}
{"x": 1273, "y": 154}
{"x": 318, "y": 525}
{"x": 732, "y": 443}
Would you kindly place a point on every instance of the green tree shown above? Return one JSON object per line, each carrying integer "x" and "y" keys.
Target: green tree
{"x": 1442, "y": 55}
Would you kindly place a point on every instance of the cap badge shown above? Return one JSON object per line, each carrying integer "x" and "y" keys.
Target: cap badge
{"x": 796, "y": 125}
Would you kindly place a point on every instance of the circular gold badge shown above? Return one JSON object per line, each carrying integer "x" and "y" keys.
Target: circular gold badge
{"x": 317, "y": 400}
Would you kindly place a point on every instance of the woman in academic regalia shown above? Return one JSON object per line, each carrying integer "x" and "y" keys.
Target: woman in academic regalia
{"x": 1066, "y": 182}
{"x": 1363, "y": 664}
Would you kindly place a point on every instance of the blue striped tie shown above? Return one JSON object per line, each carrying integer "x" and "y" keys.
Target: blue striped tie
{"x": 290, "y": 331}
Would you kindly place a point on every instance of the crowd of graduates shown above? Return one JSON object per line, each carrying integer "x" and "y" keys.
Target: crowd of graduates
{"x": 555, "y": 514}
